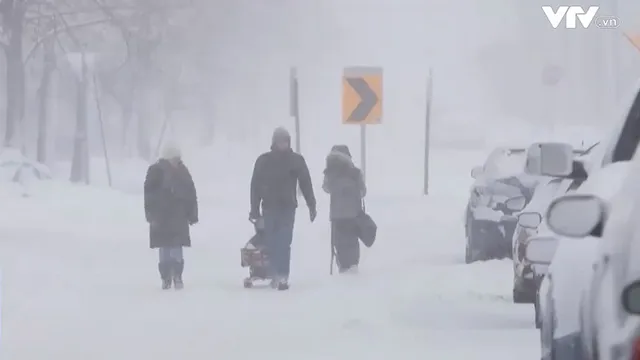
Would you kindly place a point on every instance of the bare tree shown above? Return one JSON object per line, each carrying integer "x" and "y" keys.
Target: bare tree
{"x": 12, "y": 15}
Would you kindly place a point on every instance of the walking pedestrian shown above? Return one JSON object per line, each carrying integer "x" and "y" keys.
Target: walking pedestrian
{"x": 274, "y": 184}
{"x": 171, "y": 206}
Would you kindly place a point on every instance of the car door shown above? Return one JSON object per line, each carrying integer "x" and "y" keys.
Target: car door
{"x": 609, "y": 268}
{"x": 543, "y": 195}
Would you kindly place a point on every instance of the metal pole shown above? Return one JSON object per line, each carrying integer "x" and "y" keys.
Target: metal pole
{"x": 294, "y": 110}
{"x": 363, "y": 150}
{"x": 102, "y": 134}
{"x": 427, "y": 129}
{"x": 293, "y": 104}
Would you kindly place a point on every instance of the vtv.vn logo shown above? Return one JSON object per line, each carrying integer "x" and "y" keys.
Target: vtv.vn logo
{"x": 572, "y": 14}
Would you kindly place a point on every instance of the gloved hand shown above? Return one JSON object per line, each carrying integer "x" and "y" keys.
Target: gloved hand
{"x": 312, "y": 213}
{"x": 254, "y": 215}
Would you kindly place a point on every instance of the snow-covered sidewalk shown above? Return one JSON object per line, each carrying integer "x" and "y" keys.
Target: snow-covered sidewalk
{"x": 81, "y": 283}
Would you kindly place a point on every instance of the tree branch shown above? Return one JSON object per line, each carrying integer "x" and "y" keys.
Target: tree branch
{"x": 126, "y": 35}
{"x": 78, "y": 11}
{"x": 66, "y": 30}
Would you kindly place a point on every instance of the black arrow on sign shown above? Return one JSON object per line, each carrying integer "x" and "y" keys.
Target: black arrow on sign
{"x": 368, "y": 99}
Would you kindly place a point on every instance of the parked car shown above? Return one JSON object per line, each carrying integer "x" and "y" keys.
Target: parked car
{"x": 530, "y": 223}
{"x": 612, "y": 219}
{"x": 489, "y": 223}
{"x": 570, "y": 273}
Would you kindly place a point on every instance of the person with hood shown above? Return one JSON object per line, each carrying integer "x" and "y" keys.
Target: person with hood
{"x": 171, "y": 206}
{"x": 274, "y": 184}
{"x": 344, "y": 182}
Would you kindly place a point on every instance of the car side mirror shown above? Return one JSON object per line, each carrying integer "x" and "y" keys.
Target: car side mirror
{"x": 549, "y": 159}
{"x": 575, "y": 215}
{"x": 516, "y": 203}
{"x": 631, "y": 298}
{"x": 530, "y": 220}
{"x": 540, "y": 250}
{"x": 476, "y": 172}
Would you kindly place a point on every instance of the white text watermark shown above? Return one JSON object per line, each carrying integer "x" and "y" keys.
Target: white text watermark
{"x": 573, "y": 14}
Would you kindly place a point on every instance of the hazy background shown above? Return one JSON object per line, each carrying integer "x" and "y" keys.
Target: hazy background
{"x": 218, "y": 74}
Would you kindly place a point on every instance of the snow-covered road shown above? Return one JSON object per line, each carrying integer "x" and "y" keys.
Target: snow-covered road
{"x": 79, "y": 282}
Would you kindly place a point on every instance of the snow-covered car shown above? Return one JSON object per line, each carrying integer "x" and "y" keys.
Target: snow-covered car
{"x": 583, "y": 216}
{"x": 568, "y": 276}
{"x": 567, "y": 284}
{"x": 489, "y": 223}
{"x": 607, "y": 331}
{"x": 531, "y": 223}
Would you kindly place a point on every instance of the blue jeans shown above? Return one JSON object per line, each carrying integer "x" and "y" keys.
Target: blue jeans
{"x": 278, "y": 230}
{"x": 170, "y": 254}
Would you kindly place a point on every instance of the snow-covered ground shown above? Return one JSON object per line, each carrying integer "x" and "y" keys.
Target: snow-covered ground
{"x": 79, "y": 281}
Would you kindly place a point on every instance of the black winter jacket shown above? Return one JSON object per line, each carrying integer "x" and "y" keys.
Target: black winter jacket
{"x": 170, "y": 204}
{"x": 275, "y": 179}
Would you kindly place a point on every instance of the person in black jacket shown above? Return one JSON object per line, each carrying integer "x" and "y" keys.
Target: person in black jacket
{"x": 274, "y": 184}
{"x": 171, "y": 206}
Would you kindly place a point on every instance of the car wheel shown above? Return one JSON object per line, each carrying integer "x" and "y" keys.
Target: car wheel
{"x": 521, "y": 296}
{"x": 484, "y": 240}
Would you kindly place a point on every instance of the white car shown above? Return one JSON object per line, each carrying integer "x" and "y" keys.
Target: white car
{"x": 531, "y": 223}
{"x": 568, "y": 278}
{"x": 570, "y": 273}
{"x": 614, "y": 221}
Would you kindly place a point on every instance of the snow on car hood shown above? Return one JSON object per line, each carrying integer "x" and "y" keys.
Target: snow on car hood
{"x": 606, "y": 182}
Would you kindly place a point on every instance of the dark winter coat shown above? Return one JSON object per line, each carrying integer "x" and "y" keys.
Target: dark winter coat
{"x": 170, "y": 204}
{"x": 276, "y": 175}
{"x": 345, "y": 183}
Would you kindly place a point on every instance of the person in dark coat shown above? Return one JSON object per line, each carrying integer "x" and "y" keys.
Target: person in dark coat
{"x": 274, "y": 184}
{"x": 344, "y": 182}
{"x": 171, "y": 206}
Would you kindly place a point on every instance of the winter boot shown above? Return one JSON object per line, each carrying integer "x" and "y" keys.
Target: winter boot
{"x": 348, "y": 270}
{"x": 283, "y": 283}
{"x": 177, "y": 274}
{"x": 165, "y": 274}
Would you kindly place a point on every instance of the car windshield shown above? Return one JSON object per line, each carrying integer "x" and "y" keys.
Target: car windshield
{"x": 505, "y": 164}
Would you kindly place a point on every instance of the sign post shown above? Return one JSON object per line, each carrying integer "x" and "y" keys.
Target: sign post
{"x": 362, "y": 102}
{"x": 427, "y": 130}
{"x": 294, "y": 109}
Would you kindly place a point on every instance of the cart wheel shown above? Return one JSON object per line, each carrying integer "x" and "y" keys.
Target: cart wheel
{"x": 248, "y": 283}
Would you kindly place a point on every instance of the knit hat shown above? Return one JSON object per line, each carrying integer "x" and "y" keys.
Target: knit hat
{"x": 344, "y": 149}
{"x": 280, "y": 134}
{"x": 171, "y": 151}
